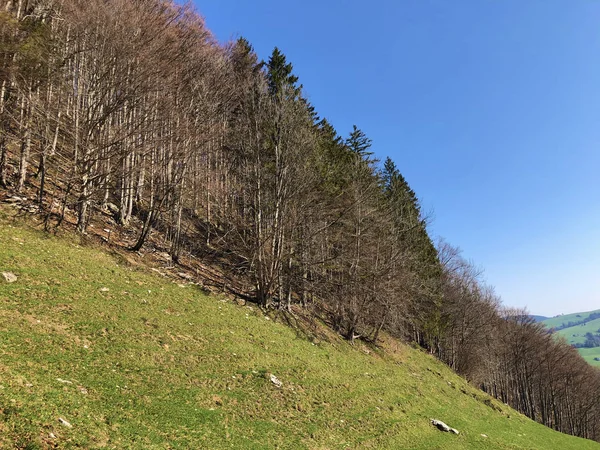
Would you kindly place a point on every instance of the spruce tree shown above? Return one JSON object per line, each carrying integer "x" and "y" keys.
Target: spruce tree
{"x": 280, "y": 77}
{"x": 359, "y": 143}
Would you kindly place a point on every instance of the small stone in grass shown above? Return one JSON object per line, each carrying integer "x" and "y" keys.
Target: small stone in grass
{"x": 64, "y": 422}
{"x": 275, "y": 380}
{"x": 9, "y": 277}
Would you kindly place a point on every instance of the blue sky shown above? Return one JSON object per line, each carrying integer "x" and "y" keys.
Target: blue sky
{"x": 491, "y": 110}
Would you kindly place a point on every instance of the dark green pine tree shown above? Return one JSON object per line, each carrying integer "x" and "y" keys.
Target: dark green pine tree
{"x": 400, "y": 195}
{"x": 328, "y": 134}
{"x": 336, "y": 162}
{"x": 312, "y": 112}
{"x": 359, "y": 144}
{"x": 423, "y": 262}
{"x": 280, "y": 78}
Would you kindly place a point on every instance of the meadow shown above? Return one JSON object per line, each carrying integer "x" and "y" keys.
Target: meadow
{"x": 100, "y": 351}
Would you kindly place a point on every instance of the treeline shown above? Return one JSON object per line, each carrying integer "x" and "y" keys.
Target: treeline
{"x": 132, "y": 106}
{"x": 511, "y": 356}
{"x": 591, "y": 341}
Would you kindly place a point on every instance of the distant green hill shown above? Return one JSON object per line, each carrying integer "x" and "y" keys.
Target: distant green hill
{"x": 538, "y": 318}
{"x": 574, "y": 327}
{"x": 99, "y": 354}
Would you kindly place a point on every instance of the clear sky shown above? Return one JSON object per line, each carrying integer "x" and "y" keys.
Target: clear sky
{"x": 491, "y": 110}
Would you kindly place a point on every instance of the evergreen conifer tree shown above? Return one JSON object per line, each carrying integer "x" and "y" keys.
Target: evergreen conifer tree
{"x": 280, "y": 77}
{"x": 359, "y": 143}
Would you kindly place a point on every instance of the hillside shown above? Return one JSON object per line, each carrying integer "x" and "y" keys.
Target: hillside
{"x": 132, "y": 360}
{"x": 576, "y": 333}
{"x": 130, "y": 123}
{"x": 538, "y": 318}
{"x": 564, "y": 319}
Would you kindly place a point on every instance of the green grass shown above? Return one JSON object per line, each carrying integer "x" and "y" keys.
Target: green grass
{"x": 149, "y": 364}
{"x": 576, "y": 334}
{"x": 566, "y": 318}
{"x": 589, "y": 354}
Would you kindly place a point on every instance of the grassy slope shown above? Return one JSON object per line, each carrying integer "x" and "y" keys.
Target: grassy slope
{"x": 566, "y": 318}
{"x": 576, "y": 334}
{"x": 152, "y": 364}
{"x": 589, "y": 354}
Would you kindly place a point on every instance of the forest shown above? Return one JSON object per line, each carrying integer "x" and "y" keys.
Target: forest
{"x": 132, "y": 107}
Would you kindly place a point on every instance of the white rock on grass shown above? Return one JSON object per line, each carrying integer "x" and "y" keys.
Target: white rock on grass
{"x": 442, "y": 426}
{"x": 275, "y": 380}
{"x": 9, "y": 277}
{"x": 64, "y": 422}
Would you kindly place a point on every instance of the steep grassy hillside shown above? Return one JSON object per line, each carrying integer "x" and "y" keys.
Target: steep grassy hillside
{"x": 131, "y": 360}
{"x": 576, "y": 333}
